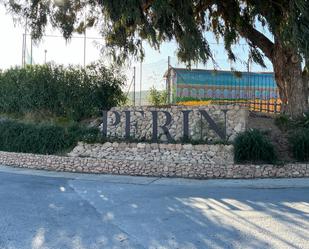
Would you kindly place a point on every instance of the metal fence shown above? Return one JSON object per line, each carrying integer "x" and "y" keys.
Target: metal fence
{"x": 256, "y": 90}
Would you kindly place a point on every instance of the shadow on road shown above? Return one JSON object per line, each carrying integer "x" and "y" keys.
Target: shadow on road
{"x": 42, "y": 212}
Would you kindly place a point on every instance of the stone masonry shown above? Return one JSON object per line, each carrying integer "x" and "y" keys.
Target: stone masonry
{"x": 148, "y": 152}
{"x": 151, "y": 168}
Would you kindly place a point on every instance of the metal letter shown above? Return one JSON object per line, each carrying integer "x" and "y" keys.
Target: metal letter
{"x": 186, "y": 124}
{"x": 163, "y": 127}
{"x": 105, "y": 121}
{"x": 128, "y": 124}
{"x": 104, "y": 129}
{"x": 212, "y": 124}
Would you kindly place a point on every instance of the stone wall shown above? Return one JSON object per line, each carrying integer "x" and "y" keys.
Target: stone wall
{"x": 141, "y": 124}
{"x": 151, "y": 168}
{"x": 146, "y": 152}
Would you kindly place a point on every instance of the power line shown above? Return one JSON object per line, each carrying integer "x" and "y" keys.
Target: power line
{"x": 72, "y": 37}
{"x": 100, "y": 38}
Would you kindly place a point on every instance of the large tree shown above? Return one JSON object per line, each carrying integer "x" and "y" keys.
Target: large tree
{"x": 126, "y": 23}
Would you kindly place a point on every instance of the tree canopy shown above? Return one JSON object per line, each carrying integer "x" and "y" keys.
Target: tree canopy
{"x": 125, "y": 23}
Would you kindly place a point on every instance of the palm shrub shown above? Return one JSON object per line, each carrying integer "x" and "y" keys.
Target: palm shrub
{"x": 253, "y": 146}
{"x": 299, "y": 142}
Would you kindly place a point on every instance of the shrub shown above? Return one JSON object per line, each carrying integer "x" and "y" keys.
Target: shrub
{"x": 283, "y": 122}
{"x": 54, "y": 90}
{"x": 303, "y": 122}
{"x": 43, "y": 138}
{"x": 157, "y": 97}
{"x": 299, "y": 142}
{"x": 253, "y": 146}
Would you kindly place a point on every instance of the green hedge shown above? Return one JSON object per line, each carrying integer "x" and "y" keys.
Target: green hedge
{"x": 52, "y": 90}
{"x": 43, "y": 138}
{"x": 299, "y": 142}
{"x": 253, "y": 146}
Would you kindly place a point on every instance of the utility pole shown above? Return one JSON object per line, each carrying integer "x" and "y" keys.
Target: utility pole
{"x": 23, "y": 52}
{"x": 25, "y": 46}
{"x": 45, "y": 52}
{"x": 134, "y": 85}
{"x": 140, "y": 86}
{"x": 85, "y": 40}
{"x": 168, "y": 80}
{"x": 31, "y": 51}
{"x": 248, "y": 71}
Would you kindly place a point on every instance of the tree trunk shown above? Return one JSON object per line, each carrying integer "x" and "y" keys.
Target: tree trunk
{"x": 293, "y": 86}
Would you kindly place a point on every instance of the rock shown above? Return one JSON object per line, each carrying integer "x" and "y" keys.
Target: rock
{"x": 141, "y": 145}
{"x": 238, "y": 128}
{"x": 107, "y": 145}
{"x": 187, "y": 146}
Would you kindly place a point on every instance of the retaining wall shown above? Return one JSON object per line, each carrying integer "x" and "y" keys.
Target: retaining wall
{"x": 147, "y": 152}
{"x": 150, "y": 168}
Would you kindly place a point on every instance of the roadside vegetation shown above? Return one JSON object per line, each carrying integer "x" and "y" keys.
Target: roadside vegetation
{"x": 273, "y": 139}
{"x": 298, "y": 135}
{"x": 253, "y": 146}
{"x": 45, "y": 108}
{"x": 72, "y": 93}
{"x": 44, "y": 138}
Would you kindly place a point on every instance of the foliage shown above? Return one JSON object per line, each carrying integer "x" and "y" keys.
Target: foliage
{"x": 283, "y": 122}
{"x": 299, "y": 142}
{"x": 43, "y": 138}
{"x": 52, "y": 90}
{"x": 253, "y": 146}
{"x": 156, "y": 97}
{"x": 184, "y": 21}
{"x": 303, "y": 121}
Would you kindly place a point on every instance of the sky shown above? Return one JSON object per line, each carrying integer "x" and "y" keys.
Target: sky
{"x": 60, "y": 51}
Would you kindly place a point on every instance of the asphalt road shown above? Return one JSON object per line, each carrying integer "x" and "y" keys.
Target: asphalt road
{"x": 59, "y": 210}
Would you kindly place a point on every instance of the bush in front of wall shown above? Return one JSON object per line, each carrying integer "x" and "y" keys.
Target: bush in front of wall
{"x": 43, "y": 138}
{"x": 253, "y": 146}
{"x": 299, "y": 143}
